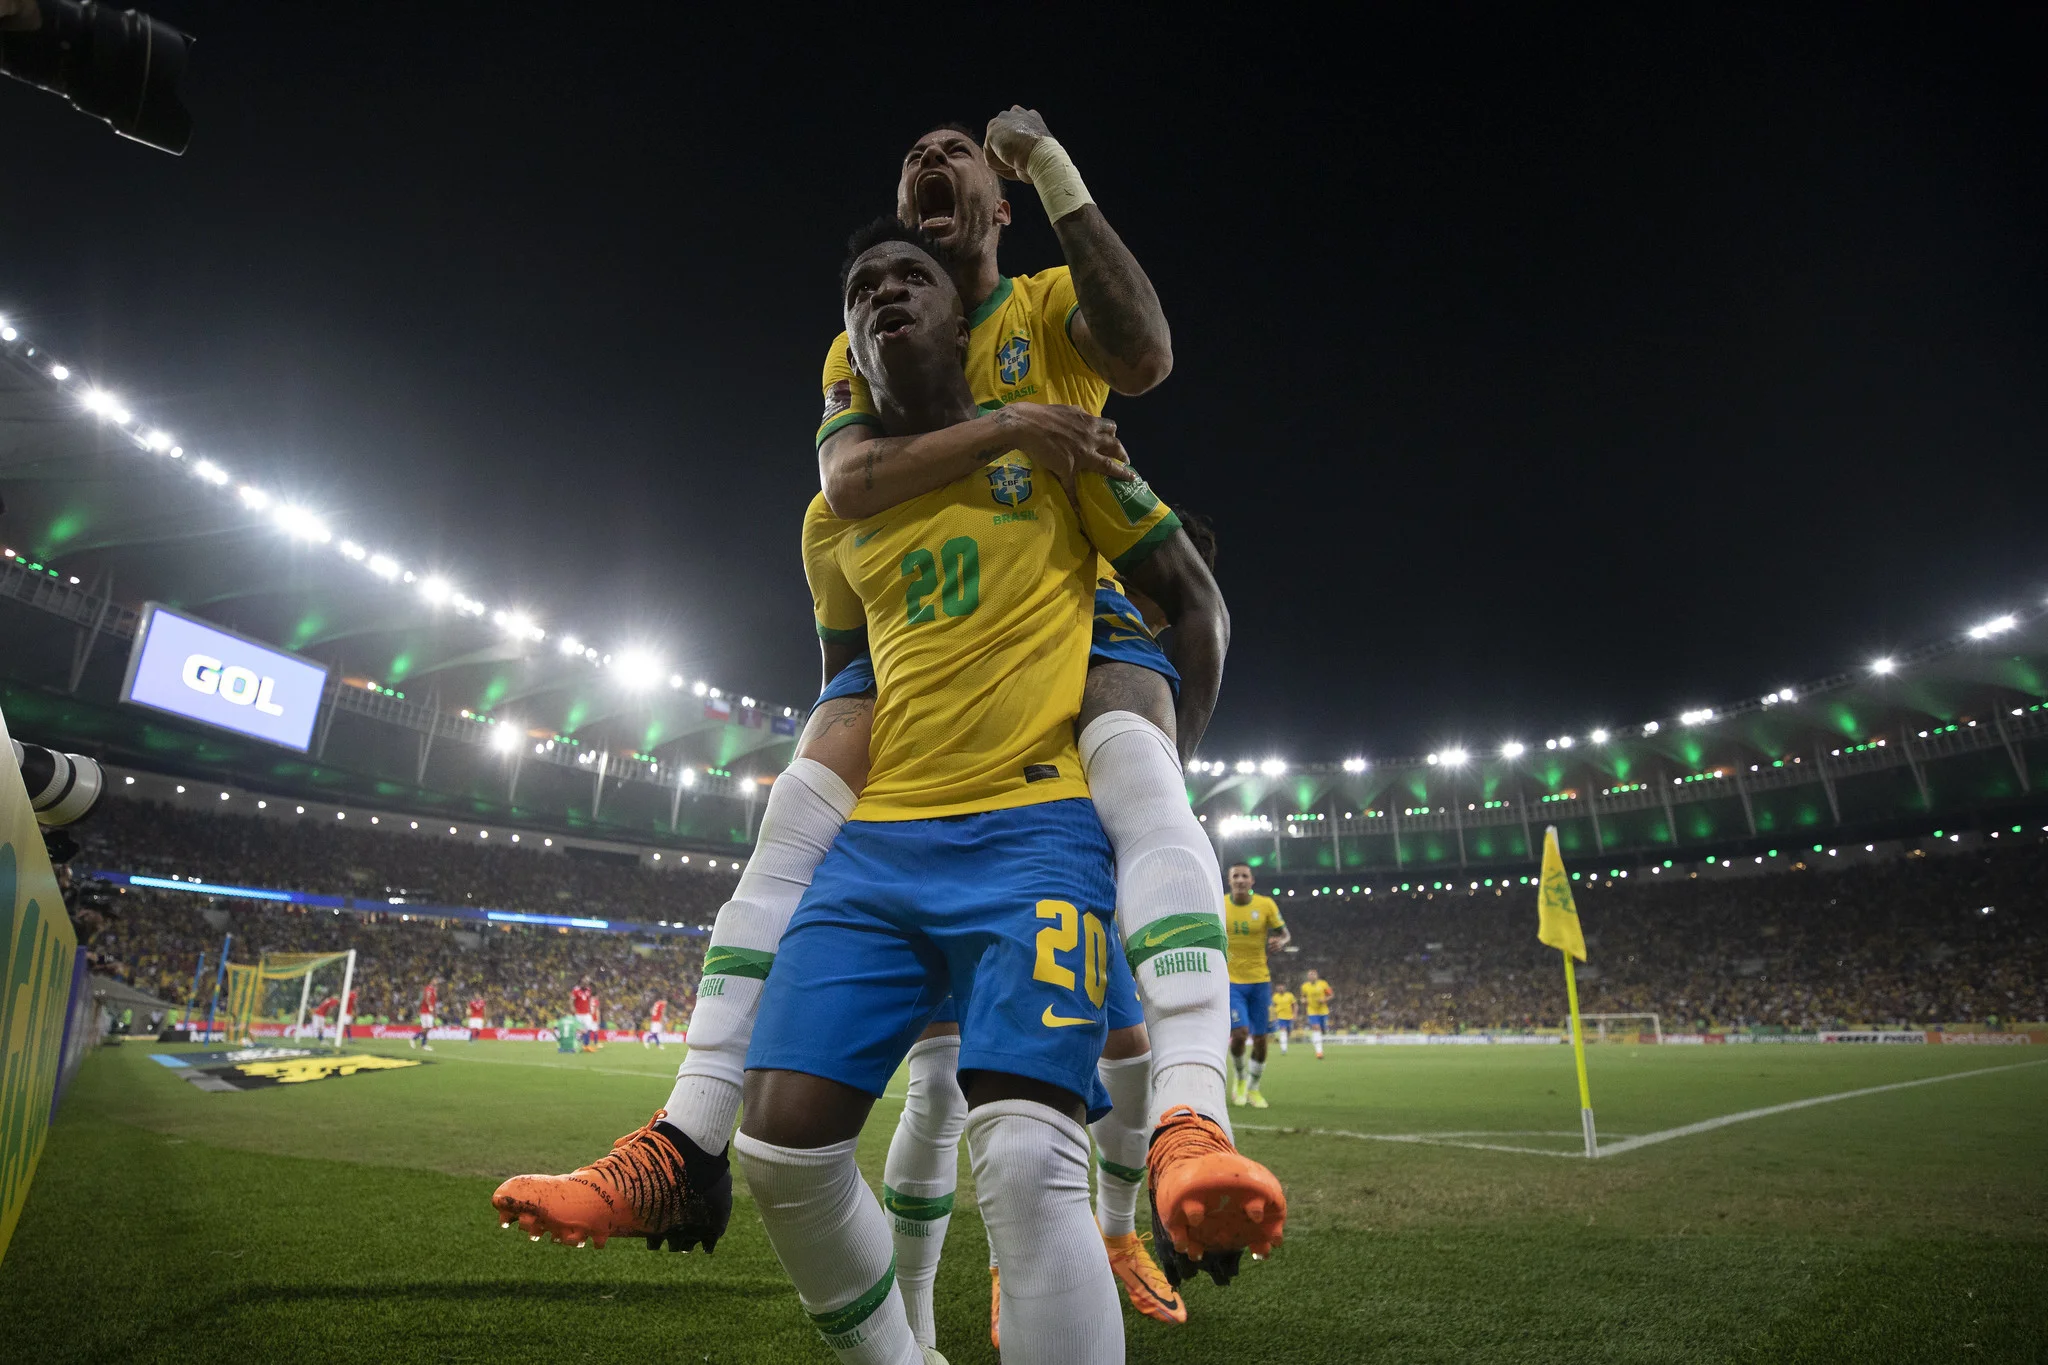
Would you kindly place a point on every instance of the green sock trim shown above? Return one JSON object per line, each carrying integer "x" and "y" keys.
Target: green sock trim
{"x": 1130, "y": 1175}
{"x": 1169, "y": 932}
{"x": 842, "y": 1320}
{"x": 723, "y": 961}
{"x": 924, "y": 1210}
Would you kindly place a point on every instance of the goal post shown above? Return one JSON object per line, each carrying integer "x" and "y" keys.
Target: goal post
{"x": 281, "y": 986}
{"x": 1615, "y": 1028}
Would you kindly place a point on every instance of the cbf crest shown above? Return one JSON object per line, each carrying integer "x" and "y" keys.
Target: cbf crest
{"x": 1013, "y": 361}
{"x": 1010, "y": 484}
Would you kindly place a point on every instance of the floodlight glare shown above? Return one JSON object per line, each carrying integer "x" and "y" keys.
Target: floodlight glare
{"x": 156, "y": 440}
{"x": 354, "y": 551}
{"x": 436, "y": 589}
{"x": 1882, "y": 666}
{"x": 505, "y": 738}
{"x": 1245, "y": 765}
{"x": 1599, "y": 736}
{"x": 675, "y": 680}
{"x": 698, "y": 688}
{"x": 1354, "y": 765}
{"x": 1455, "y": 757}
{"x": 1651, "y": 728}
{"x": 297, "y": 521}
{"x": 100, "y": 403}
{"x": 254, "y": 497}
{"x": 689, "y": 778}
{"x": 1564, "y": 741}
{"x": 1511, "y": 749}
{"x": 8, "y": 334}
{"x": 1997, "y": 625}
{"x": 211, "y": 472}
{"x": 59, "y": 373}
{"x": 1697, "y": 716}
{"x": 1272, "y": 767}
{"x": 384, "y": 566}
{"x": 637, "y": 670}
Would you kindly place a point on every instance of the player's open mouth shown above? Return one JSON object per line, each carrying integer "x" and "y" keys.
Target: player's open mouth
{"x": 935, "y": 202}
{"x": 891, "y": 323}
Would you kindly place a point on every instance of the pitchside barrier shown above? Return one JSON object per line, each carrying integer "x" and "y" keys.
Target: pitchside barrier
{"x": 45, "y": 991}
{"x": 1952, "y": 1036}
{"x": 361, "y": 1031}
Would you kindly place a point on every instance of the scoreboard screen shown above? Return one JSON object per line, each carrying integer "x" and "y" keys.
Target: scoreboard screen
{"x": 216, "y": 677}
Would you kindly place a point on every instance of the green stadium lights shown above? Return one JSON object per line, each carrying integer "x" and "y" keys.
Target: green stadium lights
{"x": 1575, "y": 876}
{"x": 1667, "y": 862}
{"x": 1937, "y": 834}
{"x": 1774, "y": 853}
{"x": 1816, "y": 848}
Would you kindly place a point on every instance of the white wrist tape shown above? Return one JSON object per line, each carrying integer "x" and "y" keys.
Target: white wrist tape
{"x": 1051, "y": 172}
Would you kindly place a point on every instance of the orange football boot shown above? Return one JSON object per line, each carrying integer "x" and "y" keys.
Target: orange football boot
{"x": 648, "y": 1186}
{"x": 995, "y": 1308}
{"x": 1145, "y": 1284}
{"x": 1210, "y": 1203}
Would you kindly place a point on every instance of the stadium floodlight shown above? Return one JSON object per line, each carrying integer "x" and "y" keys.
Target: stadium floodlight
{"x": 637, "y": 670}
{"x": 689, "y": 777}
{"x": 570, "y": 645}
{"x": 254, "y": 498}
{"x": 675, "y": 681}
{"x": 7, "y": 333}
{"x": 157, "y": 440}
{"x": 1997, "y": 625}
{"x": 1196, "y": 765}
{"x": 436, "y": 589}
{"x": 1354, "y": 765}
{"x": 698, "y": 688}
{"x": 59, "y": 373}
{"x": 748, "y": 702}
{"x": 1697, "y": 716}
{"x": 1273, "y": 767}
{"x": 1512, "y": 749}
{"x": 303, "y": 525}
{"x": 211, "y": 472}
{"x": 1652, "y": 728}
{"x": 351, "y": 550}
{"x": 384, "y": 566}
{"x": 1245, "y": 765}
{"x": 506, "y": 737}
{"x": 1564, "y": 741}
{"x": 1599, "y": 736}
{"x": 100, "y": 403}
{"x": 1454, "y": 758}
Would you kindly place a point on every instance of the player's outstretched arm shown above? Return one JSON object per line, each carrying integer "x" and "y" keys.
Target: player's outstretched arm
{"x": 1175, "y": 577}
{"x": 1120, "y": 329}
{"x": 863, "y": 472}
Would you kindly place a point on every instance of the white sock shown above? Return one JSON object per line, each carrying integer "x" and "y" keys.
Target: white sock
{"x": 833, "y": 1240}
{"x": 921, "y": 1174}
{"x": 1122, "y": 1138}
{"x": 1316, "y": 1037}
{"x": 1031, "y": 1179}
{"x": 1258, "y": 1069}
{"x": 1169, "y": 906}
{"x": 806, "y": 807}
{"x": 1237, "y": 1064}
{"x": 1283, "y": 1042}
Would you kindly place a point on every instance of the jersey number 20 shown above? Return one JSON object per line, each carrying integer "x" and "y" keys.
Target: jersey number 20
{"x": 1070, "y": 929}
{"x": 959, "y": 594}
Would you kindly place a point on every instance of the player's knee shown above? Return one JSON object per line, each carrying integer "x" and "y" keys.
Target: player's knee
{"x": 1125, "y": 1043}
{"x": 934, "y": 1109}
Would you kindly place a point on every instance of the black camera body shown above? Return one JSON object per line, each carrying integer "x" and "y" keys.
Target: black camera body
{"x": 120, "y": 66}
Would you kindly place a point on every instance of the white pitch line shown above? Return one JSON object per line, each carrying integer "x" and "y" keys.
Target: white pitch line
{"x": 1627, "y": 1144}
{"x": 1708, "y": 1125}
{"x": 592, "y": 1070}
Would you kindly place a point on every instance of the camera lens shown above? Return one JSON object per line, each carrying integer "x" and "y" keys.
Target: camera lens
{"x": 63, "y": 788}
{"x": 117, "y": 65}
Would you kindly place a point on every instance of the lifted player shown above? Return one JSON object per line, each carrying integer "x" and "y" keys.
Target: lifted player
{"x": 1255, "y": 928}
{"x": 1316, "y": 996}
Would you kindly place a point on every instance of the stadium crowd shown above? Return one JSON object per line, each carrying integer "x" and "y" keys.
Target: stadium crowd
{"x": 1923, "y": 939}
{"x": 1910, "y": 941}
{"x": 153, "y": 939}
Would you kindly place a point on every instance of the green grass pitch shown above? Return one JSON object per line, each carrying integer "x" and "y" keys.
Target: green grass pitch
{"x": 348, "y": 1219}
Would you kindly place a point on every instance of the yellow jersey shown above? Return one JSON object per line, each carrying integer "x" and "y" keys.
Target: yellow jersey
{"x": 1019, "y": 349}
{"x": 1283, "y": 1004}
{"x": 1315, "y": 996}
{"x": 1247, "y": 926}
{"x": 975, "y": 601}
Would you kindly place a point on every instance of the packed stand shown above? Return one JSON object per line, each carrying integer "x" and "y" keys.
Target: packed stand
{"x": 1906, "y": 942}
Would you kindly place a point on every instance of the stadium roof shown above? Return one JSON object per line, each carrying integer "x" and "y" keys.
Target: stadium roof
{"x": 100, "y": 500}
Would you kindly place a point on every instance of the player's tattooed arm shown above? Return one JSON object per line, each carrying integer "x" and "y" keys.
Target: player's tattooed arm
{"x": 864, "y": 472}
{"x": 1175, "y": 577}
{"x": 1120, "y": 329}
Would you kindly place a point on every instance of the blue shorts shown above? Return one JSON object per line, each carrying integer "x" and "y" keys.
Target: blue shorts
{"x": 1283, "y": 1026}
{"x": 1251, "y": 1007}
{"x": 1122, "y": 1005}
{"x": 1121, "y": 636}
{"x": 1011, "y": 911}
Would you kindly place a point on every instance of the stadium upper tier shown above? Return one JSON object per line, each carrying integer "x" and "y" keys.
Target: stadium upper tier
{"x": 444, "y": 703}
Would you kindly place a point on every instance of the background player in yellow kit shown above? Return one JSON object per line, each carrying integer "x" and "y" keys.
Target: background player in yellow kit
{"x": 1253, "y": 926}
{"x": 1315, "y": 998}
{"x": 1283, "y": 1016}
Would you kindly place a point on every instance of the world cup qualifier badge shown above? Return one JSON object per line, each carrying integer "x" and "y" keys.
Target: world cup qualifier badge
{"x": 838, "y": 399}
{"x": 1010, "y": 484}
{"x": 1013, "y": 361}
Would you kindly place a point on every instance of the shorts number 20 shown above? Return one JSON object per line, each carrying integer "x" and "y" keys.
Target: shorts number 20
{"x": 1072, "y": 928}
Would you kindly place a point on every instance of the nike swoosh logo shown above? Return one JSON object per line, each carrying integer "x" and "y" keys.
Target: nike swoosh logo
{"x": 1051, "y": 1020}
{"x": 860, "y": 540}
{"x": 1152, "y": 941}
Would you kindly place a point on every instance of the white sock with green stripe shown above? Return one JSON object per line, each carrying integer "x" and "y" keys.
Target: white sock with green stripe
{"x": 833, "y": 1240}
{"x": 805, "y": 809}
{"x": 922, "y": 1172}
{"x": 1060, "y": 1302}
{"x": 1122, "y": 1137}
{"x": 1169, "y": 907}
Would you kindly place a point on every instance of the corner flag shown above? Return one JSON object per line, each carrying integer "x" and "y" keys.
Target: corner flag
{"x": 1558, "y": 926}
{"x": 1558, "y": 916}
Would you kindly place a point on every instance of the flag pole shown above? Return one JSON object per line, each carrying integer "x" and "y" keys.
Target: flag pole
{"x": 1571, "y": 991}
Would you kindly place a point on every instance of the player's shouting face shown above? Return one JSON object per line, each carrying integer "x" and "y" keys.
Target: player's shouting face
{"x": 901, "y": 306}
{"x": 947, "y": 189}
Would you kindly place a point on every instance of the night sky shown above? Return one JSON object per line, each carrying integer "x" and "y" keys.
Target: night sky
{"x": 1534, "y": 377}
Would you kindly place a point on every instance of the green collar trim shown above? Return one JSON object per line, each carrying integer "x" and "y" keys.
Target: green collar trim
{"x": 991, "y": 303}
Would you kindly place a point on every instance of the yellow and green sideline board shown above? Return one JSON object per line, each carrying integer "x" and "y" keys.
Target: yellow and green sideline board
{"x": 40, "y": 953}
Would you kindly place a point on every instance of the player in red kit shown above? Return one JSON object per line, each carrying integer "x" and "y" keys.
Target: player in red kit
{"x": 476, "y": 1015}
{"x": 323, "y": 1016}
{"x": 583, "y": 1004}
{"x": 430, "y": 1000}
{"x": 657, "y": 1019}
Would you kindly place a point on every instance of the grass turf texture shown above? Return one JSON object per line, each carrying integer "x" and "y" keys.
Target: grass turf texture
{"x": 349, "y": 1218}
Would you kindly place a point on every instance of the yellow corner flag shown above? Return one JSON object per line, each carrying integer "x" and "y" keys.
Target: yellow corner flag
{"x": 1558, "y": 926}
{"x": 1558, "y": 916}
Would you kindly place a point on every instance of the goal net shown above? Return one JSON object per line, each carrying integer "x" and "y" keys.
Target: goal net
{"x": 1623, "y": 1028}
{"x": 288, "y": 989}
